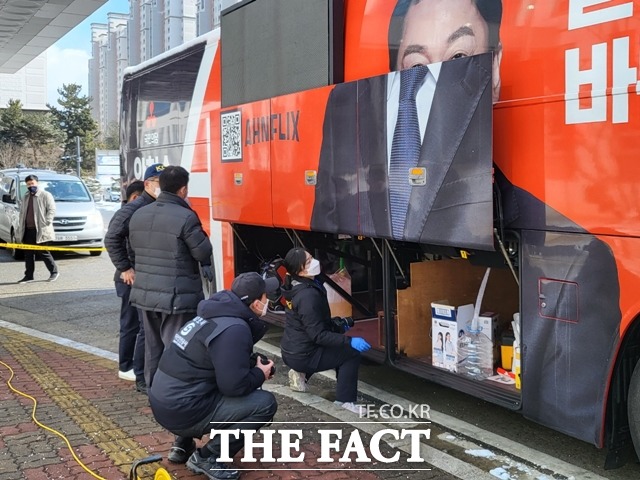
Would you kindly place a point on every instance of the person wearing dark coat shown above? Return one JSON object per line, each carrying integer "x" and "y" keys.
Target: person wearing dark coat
{"x": 116, "y": 241}
{"x": 169, "y": 246}
{"x": 206, "y": 379}
{"x": 310, "y": 343}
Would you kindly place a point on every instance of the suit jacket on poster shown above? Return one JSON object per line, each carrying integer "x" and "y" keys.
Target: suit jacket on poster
{"x": 455, "y": 205}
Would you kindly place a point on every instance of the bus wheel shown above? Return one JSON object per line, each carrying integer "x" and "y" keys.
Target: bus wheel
{"x": 633, "y": 408}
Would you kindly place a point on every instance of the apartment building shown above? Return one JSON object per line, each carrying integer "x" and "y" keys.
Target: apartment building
{"x": 150, "y": 28}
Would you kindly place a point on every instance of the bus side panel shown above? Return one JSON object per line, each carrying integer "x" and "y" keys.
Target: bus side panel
{"x": 294, "y": 158}
{"x": 241, "y": 175}
{"x": 366, "y": 27}
{"x": 570, "y": 321}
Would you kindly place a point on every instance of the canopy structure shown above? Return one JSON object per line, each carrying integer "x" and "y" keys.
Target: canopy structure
{"x": 29, "y": 27}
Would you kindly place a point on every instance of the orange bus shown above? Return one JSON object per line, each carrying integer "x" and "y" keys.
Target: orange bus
{"x": 411, "y": 146}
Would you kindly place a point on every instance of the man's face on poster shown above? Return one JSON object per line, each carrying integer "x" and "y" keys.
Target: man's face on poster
{"x": 440, "y": 30}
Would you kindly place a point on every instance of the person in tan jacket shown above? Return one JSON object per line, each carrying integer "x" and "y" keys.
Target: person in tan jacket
{"x": 36, "y": 224}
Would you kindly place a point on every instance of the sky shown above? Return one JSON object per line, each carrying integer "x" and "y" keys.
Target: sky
{"x": 67, "y": 59}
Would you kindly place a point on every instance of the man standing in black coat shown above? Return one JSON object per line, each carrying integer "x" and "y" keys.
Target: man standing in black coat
{"x": 206, "y": 379}
{"x": 116, "y": 241}
{"x": 169, "y": 246}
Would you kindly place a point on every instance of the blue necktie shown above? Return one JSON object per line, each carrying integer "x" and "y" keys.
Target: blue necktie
{"x": 405, "y": 149}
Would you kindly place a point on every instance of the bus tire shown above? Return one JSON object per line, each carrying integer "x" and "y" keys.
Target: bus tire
{"x": 633, "y": 408}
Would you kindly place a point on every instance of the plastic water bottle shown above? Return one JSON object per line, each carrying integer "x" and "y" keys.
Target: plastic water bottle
{"x": 475, "y": 355}
{"x": 475, "y": 349}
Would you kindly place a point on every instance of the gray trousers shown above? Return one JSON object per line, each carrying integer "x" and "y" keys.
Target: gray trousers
{"x": 257, "y": 408}
{"x": 159, "y": 330}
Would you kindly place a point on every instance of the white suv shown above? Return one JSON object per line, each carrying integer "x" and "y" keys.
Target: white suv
{"x": 78, "y": 222}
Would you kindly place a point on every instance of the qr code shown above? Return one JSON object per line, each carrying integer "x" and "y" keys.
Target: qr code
{"x": 231, "y": 135}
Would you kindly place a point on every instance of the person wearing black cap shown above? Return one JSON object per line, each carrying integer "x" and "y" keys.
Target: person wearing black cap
{"x": 116, "y": 241}
{"x": 206, "y": 379}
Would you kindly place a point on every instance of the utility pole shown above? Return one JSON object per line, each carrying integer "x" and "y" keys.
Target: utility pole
{"x": 78, "y": 157}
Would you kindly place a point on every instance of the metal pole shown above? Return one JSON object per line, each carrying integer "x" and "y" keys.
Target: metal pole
{"x": 78, "y": 157}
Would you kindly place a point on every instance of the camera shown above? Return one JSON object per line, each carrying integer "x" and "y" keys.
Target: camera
{"x": 253, "y": 361}
{"x": 341, "y": 324}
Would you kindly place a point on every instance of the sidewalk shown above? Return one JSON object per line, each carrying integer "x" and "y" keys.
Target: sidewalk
{"x": 110, "y": 425}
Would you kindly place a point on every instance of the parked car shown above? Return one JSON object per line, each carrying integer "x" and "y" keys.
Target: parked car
{"x": 112, "y": 195}
{"x": 77, "y": 222}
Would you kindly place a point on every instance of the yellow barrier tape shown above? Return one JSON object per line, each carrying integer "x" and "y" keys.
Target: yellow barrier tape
{"x": 21, "y": 246}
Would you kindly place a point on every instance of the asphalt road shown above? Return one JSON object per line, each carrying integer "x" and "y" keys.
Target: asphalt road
{"x": 82, "y": 306}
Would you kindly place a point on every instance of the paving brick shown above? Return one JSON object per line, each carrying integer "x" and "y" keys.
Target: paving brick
{"x": 110, "y": 425}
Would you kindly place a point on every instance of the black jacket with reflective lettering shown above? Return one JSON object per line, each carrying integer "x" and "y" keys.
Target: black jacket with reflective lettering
{"x": 209, "y": 358}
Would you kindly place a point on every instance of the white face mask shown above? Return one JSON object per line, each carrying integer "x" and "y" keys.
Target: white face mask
{"x": 157, "y": 192}
{"x": 314, "y": 269}
{"x": 265, "y": 306}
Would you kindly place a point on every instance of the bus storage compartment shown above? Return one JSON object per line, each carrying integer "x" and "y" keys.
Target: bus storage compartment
{"x": 451, "y": 283}
{"x": 241, "y": 185}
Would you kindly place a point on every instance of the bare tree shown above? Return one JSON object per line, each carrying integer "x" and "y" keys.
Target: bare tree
{"x": 12, "y": 155}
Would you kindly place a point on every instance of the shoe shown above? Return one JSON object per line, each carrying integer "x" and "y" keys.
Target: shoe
{"x": 128, "y": 375}
{"x": 178, "y": 454}
{"x": 352, "y": 407}
{"x": 297, "y": 381}
{"x": 210, "y": 467}
{"x": 53, "y": 277}
{"x": 141, "y": 386}
{"x": 26, "y": 280}
{"x": 277, "y": 309}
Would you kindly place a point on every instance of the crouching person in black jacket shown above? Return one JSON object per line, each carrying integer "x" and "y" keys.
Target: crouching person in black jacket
{"x": 205, "y": 379}
{"x": 310, "y": 342}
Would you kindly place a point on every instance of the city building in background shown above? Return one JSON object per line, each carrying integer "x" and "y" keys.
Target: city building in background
{"x": 110, "y": 56}
{"x": 27, "y": 29}
{"x": 29, "y": 85}
{"x": 150, "y": 28}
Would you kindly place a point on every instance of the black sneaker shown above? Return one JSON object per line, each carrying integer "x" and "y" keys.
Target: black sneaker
{"x": 26, "y": 280}
{"x": 178, "y": 453}
{"x": 276, "y": 308}
{"x": 53, "y": 277}
{"x": 141, "y": 386}
{"x": 210, "y": 467}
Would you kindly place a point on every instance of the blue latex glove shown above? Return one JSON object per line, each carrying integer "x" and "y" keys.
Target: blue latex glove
{"x": 207, "y": 273}
{"x": 359, "y": 344}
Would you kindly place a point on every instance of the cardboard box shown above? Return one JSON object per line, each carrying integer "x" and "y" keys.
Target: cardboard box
{"x": 444, "y": 335}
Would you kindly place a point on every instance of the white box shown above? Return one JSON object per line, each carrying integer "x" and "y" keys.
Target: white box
{"x": 444, "y": 336}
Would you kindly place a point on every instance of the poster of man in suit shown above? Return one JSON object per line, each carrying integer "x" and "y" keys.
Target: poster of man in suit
{"x": 441, "y": 191}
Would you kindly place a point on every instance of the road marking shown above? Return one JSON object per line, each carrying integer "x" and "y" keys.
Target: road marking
{"x": 83, "y": 347}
